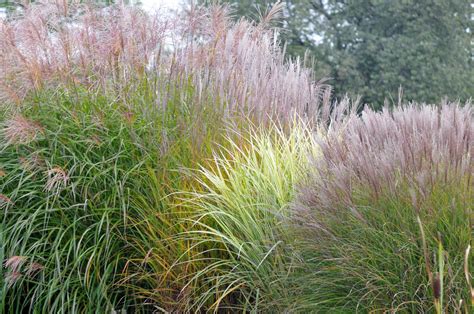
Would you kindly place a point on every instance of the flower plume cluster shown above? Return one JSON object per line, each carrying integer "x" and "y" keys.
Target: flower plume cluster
{"x": 238, "y": 66}
{"x": 410, "y": 148}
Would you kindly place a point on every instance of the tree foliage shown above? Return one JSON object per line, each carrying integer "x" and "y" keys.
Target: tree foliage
{"x": 374, "y": 47}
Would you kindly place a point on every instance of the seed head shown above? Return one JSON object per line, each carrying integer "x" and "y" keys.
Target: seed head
{"x": 57, "y": 179}
{"x": 19, "y": 130}
{"x": 14, "y": 263}
{"x": 31, "y": 162}
{"x": 4, "y": 201}
{"x": 33, "y": 269}
{"x": 12, "y": 277}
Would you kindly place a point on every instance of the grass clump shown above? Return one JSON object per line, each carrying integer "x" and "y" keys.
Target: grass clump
{"x": 238, "y": 233}
{"x": 78, "y": 171}
{"x": 151, "y": 162}
{"x": 68, "y": 189}
{"x": 388, "y": 212}
{"x": 237, "y": 66}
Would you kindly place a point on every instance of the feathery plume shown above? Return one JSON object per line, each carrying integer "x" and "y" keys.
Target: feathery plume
{"x": 14, "y": 263}
{"x": 4, "y": 201}
{"x": 57, "y": 179}
{"x": 19, "y": 130}
{"x": 12, "y": 277}
{"x": 420, "y": 145}
{"x": 238, "y": 65}
{"x": 33, "y": 269}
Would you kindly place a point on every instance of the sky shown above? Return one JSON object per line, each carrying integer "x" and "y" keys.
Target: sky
{"x": 169, "y": 4}
{"x": 148, "y": 5}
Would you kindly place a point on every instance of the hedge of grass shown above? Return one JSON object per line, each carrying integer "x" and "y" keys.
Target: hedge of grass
{"x": 178, "y": 163}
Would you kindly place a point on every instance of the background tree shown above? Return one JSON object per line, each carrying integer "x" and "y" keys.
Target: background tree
{"x": 372, "y": 47}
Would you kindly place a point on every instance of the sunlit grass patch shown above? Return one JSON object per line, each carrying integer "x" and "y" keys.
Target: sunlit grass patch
{"x": 238, "y": 233}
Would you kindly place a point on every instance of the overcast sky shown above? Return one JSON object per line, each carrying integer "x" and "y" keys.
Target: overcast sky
{"x": 151, "y": 4}
{"x": 148, "y": 5}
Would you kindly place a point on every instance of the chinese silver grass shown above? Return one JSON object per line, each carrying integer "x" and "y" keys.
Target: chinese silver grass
{"x": 385, "y": 215}
{"x": 378, "y": 152}
{"x": 238, "y": 67}
{"x": 19, "y": 130}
